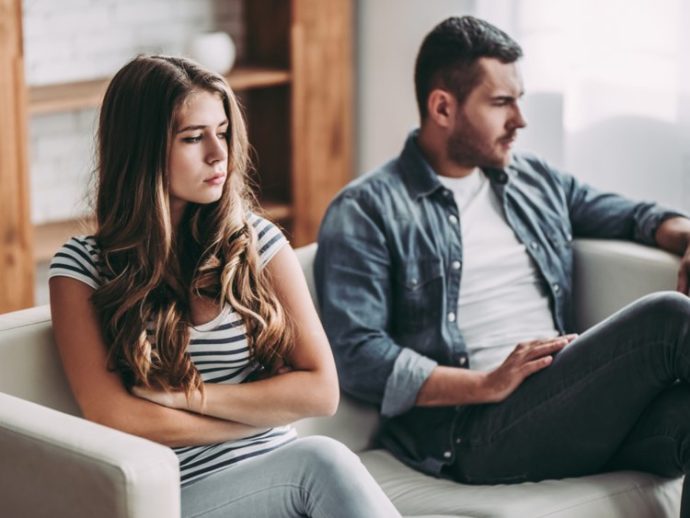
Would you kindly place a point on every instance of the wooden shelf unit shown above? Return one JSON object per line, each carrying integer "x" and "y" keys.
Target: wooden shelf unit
{"x": 89, "y": 94}
{"x": 297, "y": 94}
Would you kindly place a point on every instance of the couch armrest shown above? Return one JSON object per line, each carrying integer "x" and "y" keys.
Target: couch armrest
{"x": 610, "y": 274}
{"x": 56, "y": 465}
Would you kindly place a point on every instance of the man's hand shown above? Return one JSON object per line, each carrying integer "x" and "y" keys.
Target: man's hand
{"x": 683, "y": 284}
{"x": 526, "y": 359}
{"x": 673, "y": 235}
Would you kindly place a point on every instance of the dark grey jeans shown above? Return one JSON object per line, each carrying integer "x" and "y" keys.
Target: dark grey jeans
{"x": 618, "y": 397}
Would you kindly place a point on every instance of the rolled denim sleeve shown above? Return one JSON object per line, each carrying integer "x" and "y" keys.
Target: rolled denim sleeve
{"x": 410, "y": 371}
{"x": 353, "y": 272}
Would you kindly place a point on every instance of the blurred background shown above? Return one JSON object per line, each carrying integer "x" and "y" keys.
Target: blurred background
{"x": 607, "y": 85}
{"x": 607, "y": 92}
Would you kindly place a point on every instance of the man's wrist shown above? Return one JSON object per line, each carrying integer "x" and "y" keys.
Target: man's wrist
{"x": 673, "y": 235}
{"x": 485, "y": 390}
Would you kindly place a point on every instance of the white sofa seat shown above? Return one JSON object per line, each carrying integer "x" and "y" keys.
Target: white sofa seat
{"x": 56, "y": 464}
{"x": 619, "y": 494}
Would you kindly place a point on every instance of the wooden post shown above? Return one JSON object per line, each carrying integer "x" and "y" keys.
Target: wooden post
{"x": 322, "y": 109}
{"x": 16, "y": 257}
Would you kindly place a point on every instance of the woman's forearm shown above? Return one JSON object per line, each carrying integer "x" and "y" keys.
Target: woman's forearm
{"x": 169, "y": 426}
{"x": 275, "y": 401}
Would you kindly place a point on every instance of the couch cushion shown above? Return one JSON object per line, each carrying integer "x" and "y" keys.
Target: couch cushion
{"x": 623, "y": 494}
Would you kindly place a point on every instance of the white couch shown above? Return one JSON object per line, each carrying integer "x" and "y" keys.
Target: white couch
{"x": 55, "y": 464}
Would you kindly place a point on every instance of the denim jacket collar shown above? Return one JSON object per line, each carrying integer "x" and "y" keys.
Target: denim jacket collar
{"x": 422, "y": 180}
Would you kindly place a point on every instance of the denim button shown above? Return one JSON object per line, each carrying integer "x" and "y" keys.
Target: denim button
{"x": 458, "y": 440}
{"x": 556, "y": 288}
{"x": 453, "y": 219}
{"x": 534, "y": 245}
{"x": 456, "y": 265}
{"x": 447, "y": 454}
{"x": 451, "y": 317}
{"x": 462, "y": 360}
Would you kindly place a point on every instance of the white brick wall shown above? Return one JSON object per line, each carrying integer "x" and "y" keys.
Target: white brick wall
{"x": 73, "y": 40}
{"x": 61, "y": 150}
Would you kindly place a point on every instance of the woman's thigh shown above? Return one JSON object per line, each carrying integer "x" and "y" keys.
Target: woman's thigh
{"x": 313, "y": 477}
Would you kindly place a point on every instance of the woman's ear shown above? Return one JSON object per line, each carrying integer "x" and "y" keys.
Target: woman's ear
{"x": 441, "y": 106}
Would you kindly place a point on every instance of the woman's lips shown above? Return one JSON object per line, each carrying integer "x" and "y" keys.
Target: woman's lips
{"x": 216, "y": 179}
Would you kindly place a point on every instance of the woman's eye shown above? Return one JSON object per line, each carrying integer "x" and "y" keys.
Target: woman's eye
{"x": 191, "y": 140}
{"x": 224, "y": 135}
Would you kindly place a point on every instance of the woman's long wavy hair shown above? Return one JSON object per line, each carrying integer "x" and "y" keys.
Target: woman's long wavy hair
{"x": 153, "y": 269}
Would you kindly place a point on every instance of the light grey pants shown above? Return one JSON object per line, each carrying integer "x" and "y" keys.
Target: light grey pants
{"x": 315, "y": 477}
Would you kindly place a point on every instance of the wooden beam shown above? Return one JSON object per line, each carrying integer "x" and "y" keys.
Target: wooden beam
{"x": 16, "y": 258}
{"x": 322, "y": 108}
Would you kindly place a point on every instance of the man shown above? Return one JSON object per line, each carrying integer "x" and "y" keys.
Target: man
{"x": 445, "y": 283}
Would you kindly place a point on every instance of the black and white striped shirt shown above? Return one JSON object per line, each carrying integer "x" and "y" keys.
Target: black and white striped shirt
{"x": 218, "y": 348}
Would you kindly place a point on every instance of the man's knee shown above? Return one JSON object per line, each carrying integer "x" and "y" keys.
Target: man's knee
{"x": 667, "y": 304}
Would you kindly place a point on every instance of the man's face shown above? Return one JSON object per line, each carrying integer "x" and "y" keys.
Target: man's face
{"x": 486, "y": 123}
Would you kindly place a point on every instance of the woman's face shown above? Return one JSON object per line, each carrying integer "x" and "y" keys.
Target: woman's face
{"x": 198, "y": 160}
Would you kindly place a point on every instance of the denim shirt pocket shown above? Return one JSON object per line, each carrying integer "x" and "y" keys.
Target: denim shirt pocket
{"x": 419, "y": 290}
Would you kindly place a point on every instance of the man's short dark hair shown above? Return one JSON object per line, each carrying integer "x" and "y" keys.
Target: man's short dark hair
{"x": 448, "y": 56}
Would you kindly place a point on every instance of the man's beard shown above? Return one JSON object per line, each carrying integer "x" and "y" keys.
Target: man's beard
{"x": 465, "y": 149}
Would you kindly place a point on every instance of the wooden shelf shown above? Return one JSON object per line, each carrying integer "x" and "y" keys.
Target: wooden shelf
{"x": 49, "y": 237}
{"x": 277, "y": 212}
{"x": 88, "y": 94}
{"x": 299, "y": 115}
{"x": 248, "y": 78}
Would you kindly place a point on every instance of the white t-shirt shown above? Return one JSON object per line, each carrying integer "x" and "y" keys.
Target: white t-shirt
{"x": 502, "y": 300}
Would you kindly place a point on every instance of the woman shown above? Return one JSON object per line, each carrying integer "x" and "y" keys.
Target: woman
{"x": 186, "y": 319}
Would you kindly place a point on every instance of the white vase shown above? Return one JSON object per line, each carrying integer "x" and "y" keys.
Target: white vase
{"x": 213, "y": 50}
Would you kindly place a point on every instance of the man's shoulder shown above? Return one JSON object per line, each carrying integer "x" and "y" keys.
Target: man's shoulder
{"x": 377, "y": 185}
{"x": 529, "y": 163}
{"x": 531, "y": 169}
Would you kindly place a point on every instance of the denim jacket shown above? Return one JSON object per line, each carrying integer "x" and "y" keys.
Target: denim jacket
{"x": 388, "y": 271}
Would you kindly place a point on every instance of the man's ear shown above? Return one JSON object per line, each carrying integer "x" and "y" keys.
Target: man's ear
{"x": 441, "y": 106}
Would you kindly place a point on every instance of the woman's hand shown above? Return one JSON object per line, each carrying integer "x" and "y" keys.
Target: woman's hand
{"x": 171, "y": 399}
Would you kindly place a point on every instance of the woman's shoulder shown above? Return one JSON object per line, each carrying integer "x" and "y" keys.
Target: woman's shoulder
{"x": 79, "y": 258}
{"x": 269, "y": 238}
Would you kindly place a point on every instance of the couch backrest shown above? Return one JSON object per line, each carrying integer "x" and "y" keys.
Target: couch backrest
{"x": 608, "y": 274}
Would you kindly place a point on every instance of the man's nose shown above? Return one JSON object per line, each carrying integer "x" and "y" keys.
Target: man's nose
{"x": 519, "y": 119}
